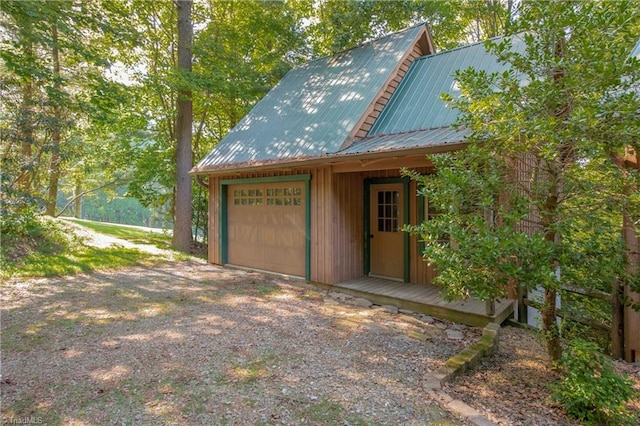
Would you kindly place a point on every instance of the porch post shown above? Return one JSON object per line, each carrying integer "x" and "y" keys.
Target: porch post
{"x": 490, "y": 307}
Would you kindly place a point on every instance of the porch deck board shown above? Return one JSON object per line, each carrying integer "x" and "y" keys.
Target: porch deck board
{"x": 425, "y": 299}
{"x": 378, "y": 285}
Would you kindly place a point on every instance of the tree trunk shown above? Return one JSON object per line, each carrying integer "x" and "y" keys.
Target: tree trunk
{"x": 25, "y": 128}
{"x": 617, "y": 320}
{"x": 56, "y": 134}
{"x": 550, "y": 326}
{"x": 77, "y": 203}
{"x": 631, "y": 317}
{"x": 182, "y": 235}
{"x": 550, "y": 214}
{"x": 548, "y": 312}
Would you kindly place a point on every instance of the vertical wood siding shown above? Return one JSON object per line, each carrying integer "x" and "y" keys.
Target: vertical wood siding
{"x": 337, "y": 222}
{"x": 347, "y": 228}
{"x": 420, "y": 271}
{"x": 322, "y": 213}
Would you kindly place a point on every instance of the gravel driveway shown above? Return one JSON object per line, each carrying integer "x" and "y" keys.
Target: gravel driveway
{"x": 191, "y": 343}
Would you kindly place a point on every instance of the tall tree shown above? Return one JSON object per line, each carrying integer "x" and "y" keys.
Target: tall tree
{"x": 536, "y": 197}
{"x": 340, "y": 25}
{"x": 240, "y": 50}
{"x": 56, "y": 128}
{"x": 55, "y": 57}
{"x": 182, "y": 237}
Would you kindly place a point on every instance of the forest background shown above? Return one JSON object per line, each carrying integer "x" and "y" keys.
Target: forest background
{"x": 90, "y": 90}
{"x": 116, "y": 99}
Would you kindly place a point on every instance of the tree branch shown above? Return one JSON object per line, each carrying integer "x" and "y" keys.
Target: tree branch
{"x": 115, "y": 181}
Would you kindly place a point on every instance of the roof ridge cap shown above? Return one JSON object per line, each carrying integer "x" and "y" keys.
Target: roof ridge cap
{"x": 466, "y": 46}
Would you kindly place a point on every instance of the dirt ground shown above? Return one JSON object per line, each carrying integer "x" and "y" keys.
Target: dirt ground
{"x": 191, "y": 343}
{"x": 511, "y": 388}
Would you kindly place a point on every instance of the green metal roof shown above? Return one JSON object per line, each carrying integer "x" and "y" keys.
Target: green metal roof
{"x": 313, "y": 109}
{"x": 417, "y": 105}
{"x": 438, "y": 136}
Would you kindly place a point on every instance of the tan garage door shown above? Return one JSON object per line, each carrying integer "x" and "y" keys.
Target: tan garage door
{"x": 266, "y": 226}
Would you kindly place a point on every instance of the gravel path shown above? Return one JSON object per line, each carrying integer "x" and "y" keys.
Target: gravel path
{"x": 188, "y": 342}
{"x": 191, "y": 343}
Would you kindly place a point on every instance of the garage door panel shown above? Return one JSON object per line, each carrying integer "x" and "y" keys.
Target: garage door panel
{"x": 266, "y": 226}
{"x": 288, "y": 241}
{"x": 246, "y": 251}
{"x": 281, "y": 261}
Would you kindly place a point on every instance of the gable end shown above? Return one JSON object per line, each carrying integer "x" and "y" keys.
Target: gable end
{"x": 422, "y": 46}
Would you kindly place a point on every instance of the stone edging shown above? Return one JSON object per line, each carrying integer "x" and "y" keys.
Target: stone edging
{"x": 458, "y": 364}
{"x": 470, "y": 356}
{"x": 453, "y": 367}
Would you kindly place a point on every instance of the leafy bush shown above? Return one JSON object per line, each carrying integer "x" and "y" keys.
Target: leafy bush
{"x": 16, "y": 224}
{"x": 25, "y": 232}
{"x": 591, "y": 391}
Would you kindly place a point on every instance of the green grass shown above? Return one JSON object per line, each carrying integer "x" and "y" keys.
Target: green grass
{"x": 135, "y": 235}
{"x": 47, "y": 248}
{"x": 82, "y": 259}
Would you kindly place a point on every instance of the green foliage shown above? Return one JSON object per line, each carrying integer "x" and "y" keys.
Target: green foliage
{"x": 115, "y": 108}
{"x": 35, "y": 245}
{"x": 473, "y": 235}
{"x": 135, "y": 235}
{"x": 200, "y": 213}
{"x": 58, "y": 105}
{"x": 341, "y": 25}
{"x": 113, "y": 99}
{"x": 77, "y": 260}
{"x": 115, "y": 206}
{"x": 590, "y": 389}
{"x": 538, "y": 197}
{"x": 25, "y": 232}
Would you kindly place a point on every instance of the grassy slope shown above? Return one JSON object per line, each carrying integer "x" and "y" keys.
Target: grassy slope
{"x": 135, "y": 234}
{"x": 51, "y": 249}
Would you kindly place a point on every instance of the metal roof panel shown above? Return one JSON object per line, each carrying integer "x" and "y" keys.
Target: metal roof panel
{"x": 407, "y": 140}
{"x": 417, "y": 104}
{"x": 313, "y": 109}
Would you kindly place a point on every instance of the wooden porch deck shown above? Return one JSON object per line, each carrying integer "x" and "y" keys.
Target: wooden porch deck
{"x": 425, "y": 299}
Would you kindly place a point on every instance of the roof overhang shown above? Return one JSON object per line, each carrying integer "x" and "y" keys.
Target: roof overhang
{"x": 363, "y": 159}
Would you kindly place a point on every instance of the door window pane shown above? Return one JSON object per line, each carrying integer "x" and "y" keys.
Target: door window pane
{"x": 388, "y": 211}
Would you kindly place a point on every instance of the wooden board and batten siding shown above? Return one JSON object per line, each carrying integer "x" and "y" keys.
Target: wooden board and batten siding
{"x": 336, "y": 245}
{"x": 341, "y": 256}
{"x": 336, "y": 231}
